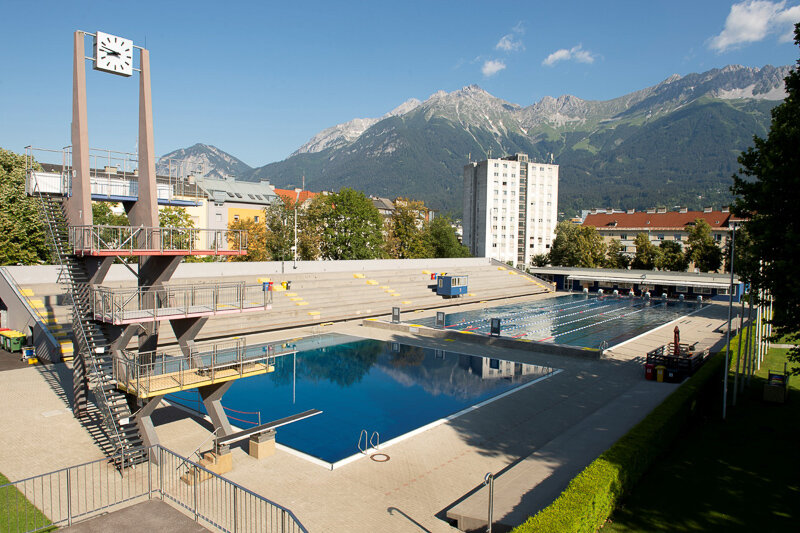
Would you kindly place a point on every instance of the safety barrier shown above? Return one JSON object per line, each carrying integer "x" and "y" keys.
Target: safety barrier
{"x": 144, "y": 240}
{"x": 61, "y": 497}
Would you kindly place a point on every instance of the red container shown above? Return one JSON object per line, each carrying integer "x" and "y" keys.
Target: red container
{"x": 433, "y": 276}
{"x": 650, "y": 372}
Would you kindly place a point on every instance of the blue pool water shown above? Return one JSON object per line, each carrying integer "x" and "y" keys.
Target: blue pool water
{"x": 576, "y": 319}
{"x": 362, "y": 384}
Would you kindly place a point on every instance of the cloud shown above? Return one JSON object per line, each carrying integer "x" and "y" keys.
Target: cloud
{"x": 492, "y": 67}
{"x": 576, "y": 53}
{"x": 751, "y": 21}
{"x": 509, "y": 44}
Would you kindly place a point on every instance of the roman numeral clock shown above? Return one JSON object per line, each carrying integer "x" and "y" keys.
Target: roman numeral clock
{"x": 113, "y": 54}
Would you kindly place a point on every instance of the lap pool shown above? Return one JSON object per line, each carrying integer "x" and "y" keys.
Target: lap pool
{"x": 576, "y": 319}
{"x": 361, "y": 384}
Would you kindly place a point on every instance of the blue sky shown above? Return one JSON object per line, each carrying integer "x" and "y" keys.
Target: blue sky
{"x": 258, "y": 79}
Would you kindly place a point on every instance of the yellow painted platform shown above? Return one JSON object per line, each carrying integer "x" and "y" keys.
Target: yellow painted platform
{"x": 192, "y": 379}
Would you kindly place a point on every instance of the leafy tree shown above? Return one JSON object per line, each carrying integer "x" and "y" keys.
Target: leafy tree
{"x": 407, "y": 233}
{"x": 646, "y": 253}
{"x": 701, "y": 248}
{"x": 279, "y": 236}
{"x": 615, "y": 255}
{"x": 443, "y": 239}
{"x": 591, "y": 248}
{"x": 769, "y": 202}
{"x": 540, "y": 260}
{"x": 256, "y": 240}
{"x": 102, "y": 215}
{"x": 180, "y": 223}
{"x": 349, "y": 226}
{"x": 671, "y": 257}
{"x": 564, "y": 251}
{"x": 22, "y": 234}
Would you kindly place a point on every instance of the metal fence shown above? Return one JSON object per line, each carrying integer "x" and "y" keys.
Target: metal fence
{"x": 129, "y": 240}
{"x": 137, "y": 304}
{"x": 79, "y": 492}
{"x": 148, "y": 373}
{"x": 112, "y": 175}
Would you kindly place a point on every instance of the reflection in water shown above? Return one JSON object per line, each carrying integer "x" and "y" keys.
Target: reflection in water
{"x": 379, "y": 386}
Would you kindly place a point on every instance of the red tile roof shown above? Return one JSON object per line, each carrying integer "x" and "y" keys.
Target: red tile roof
{"x": 290, "y": 195}
{"x": 671, "y": 220}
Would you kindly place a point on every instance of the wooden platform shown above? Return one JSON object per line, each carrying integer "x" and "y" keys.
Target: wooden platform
{"x": 153, "y": 385}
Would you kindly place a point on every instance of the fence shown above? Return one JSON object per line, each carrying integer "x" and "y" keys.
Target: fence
{"x": 137, "y": 304}
{"x": 128, "y": 240}
{"x": 62, "y": 497}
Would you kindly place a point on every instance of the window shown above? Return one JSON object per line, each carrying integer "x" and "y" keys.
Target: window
{"x": 255, "y": 218}
{"x": 497, "y": 164}
{"x": 681, "y": 288}
{"x": 623, "y": 236}
{"x": 235, "y": 217}
{"x": 677, "y": 236}
{"x": 718, "y": 237}
{"x": 661, "y": 237}
{"x": 219, "y": 217}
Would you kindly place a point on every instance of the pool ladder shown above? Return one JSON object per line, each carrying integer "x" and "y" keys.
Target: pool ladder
{"x": 369, "y": 441}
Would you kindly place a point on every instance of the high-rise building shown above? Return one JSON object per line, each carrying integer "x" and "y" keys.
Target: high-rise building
{"x": 510, "y": 208}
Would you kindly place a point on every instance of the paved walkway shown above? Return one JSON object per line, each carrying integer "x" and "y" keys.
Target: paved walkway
{"x": 153, "y": 515}
{"x": 426, "y": 475}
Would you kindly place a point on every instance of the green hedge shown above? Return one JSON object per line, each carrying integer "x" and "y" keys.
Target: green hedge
{"x": 592, "y": 495}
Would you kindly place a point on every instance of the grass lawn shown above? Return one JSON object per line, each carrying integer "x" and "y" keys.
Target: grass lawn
{"x": 737, "y": 475}
{"x": 17, "y": 513}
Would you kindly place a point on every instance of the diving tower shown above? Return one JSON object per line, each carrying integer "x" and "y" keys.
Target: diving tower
{"x": 127, "y": 386}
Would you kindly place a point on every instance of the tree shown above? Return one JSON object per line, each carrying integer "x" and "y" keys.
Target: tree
{"x": 615, "y": 255}
{"x": 256, "y": 240}
{"x": 22, "y": 233}
{"x": 591, "y": 248}
{"x": 180, "y": 224}
{"x": 564, "y": 251}
{"x": 540, "y": 260}
{"x": 671, "y": 257}
{"x": 443, "y": 239}
{"x": 102, "y": 215}
{"x": 769, "y": 202}
{"x": 407, "y": 232}
{"x": 646, "y": 253}
{"x": 349, "y": 226}
{"x": 701, "y": 249}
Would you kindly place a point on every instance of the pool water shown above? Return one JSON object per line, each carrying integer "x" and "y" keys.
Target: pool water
{"x": 576, "y": 319}
{"x": 371, "y": 385}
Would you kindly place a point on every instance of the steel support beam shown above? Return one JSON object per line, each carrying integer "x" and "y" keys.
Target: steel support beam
{"x": 212, "y": 400}
{"x": 145, "y": 423}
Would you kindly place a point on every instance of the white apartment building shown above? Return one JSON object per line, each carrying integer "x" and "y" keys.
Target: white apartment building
{"x": 510, "y": 208}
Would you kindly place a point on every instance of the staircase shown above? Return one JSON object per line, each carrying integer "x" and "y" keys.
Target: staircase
{"x": 92, "y": 354}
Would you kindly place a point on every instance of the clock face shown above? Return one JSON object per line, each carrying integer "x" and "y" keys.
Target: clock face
{"x": 113, "y": 54}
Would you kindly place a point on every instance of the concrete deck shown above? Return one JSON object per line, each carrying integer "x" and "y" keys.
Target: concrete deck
{"x": 554, "y": 427}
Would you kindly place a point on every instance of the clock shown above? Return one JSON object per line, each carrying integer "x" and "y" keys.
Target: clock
{"x": 113, "y": 54}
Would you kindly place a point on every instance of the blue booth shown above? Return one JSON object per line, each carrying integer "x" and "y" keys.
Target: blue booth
{"x": 451, "y": 285}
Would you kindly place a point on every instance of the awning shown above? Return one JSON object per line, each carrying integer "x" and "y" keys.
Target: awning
{"x": 652, "y": 281}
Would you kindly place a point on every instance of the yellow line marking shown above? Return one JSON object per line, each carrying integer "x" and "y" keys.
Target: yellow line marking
{"x": 26, "y": 292}
{"x": 371, "y": 282}
{"x": 313, "y": 313}
{"x": 301, "y": 303}
{"x": 406, "y": 302}
{"x": 296, "y": 299}
{"x": 291, "y": 294}
{"x": 358, "y": 276}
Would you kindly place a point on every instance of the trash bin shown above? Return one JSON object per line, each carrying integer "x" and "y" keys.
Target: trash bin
{"x": 660, "y": 373}
{"x": 649, "y": 372}
{"x": 283, "y": 284}
{"x": 13, "y": 341}
{"x": 433, "y": 275}
{"x": 673, "y": 375}
{"x": 288, "y": 285}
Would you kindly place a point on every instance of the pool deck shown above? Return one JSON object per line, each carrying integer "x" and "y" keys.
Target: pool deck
{"x": 549, "y": 429}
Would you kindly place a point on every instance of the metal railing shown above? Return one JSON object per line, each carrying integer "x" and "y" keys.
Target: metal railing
{"x": 138, "y": 304}
{"x": 129, "y": 240}
{"x": 79, "y": 492}
{"x": 148, "y": 373}
{"x": 111, "y": 174}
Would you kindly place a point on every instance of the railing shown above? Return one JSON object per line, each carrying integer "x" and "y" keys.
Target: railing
{"x": 148, "y": 373}
{"x": 111, "y": 174}
{"x": 138, "y": 304}
{"x": 142, "y": 240}
{"x": 79, "y": 492}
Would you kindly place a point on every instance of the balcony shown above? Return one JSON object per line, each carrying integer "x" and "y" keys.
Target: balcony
{"x": 147, "y": 241}
{"x": 121, "y": 306}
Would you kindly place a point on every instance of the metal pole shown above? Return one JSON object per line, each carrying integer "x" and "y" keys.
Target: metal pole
{"x": 295, "y": 236}
{"x": 69, "y": 497}
{"x": 488, "y": 479}
{"x": 738, "y": 352}
{"x": 728, "y": 341}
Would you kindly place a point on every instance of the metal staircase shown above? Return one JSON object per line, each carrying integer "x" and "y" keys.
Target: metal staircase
{"x": 92, "y": 354}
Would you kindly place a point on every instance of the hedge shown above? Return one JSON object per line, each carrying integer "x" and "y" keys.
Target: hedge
{"x": 592, "y": 495}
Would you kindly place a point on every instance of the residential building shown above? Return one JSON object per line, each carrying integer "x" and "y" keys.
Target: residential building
{"x": 510, "y": 208}
{"x": 230, "y": 200}
{"x": 303, "y": 198}
{"x": 659, "y": 224}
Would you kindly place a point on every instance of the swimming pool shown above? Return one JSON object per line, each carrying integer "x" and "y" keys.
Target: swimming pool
{"x": 363, "y": 384}
{"x": 575, "y": 319}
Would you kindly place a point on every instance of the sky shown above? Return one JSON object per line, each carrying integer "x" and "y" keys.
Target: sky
{"x": 259, "y": 79}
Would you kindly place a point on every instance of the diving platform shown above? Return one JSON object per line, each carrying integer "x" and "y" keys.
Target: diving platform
{"x": 108, "y": 241}
{"x": 150, "y": 374}
{"x": 135, "y": 305}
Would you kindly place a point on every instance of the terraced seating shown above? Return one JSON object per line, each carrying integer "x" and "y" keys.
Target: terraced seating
{"x": 319, "y": 297}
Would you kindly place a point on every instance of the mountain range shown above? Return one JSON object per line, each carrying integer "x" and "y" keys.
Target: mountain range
{"x": 675, "y": 143}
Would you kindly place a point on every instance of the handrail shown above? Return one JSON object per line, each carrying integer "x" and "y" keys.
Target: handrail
{"x": 79, "y": 320}
{"x": 90, "y": 238}
{"x": 212, "y": 434}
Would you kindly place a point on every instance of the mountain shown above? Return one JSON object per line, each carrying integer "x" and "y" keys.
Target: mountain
{"x": 674, "y": 143}
{"x": 202, "y": 160}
